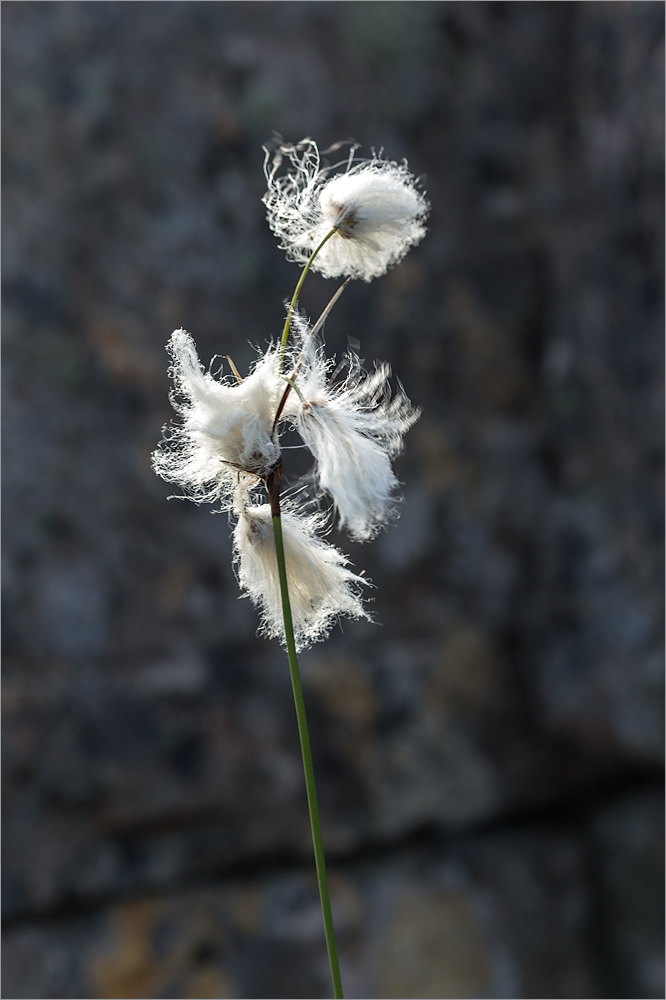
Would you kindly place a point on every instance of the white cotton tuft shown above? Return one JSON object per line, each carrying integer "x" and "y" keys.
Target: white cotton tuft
{"x": 353, "y": 430}
{"x": 374, "y": 206}
{"x": 321, "y": 588}
{"x": 226, "y": 430}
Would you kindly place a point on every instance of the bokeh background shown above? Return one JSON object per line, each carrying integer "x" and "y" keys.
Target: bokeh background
{"x": 490, "y": 753}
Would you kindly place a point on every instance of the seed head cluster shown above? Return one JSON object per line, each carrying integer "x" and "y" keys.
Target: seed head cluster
{"x": 225, "y": 446}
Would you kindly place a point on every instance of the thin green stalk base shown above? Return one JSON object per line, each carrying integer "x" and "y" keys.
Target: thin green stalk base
{"x": 273, "y": 485}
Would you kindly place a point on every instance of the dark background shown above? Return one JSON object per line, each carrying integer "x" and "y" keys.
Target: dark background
{"x": 489, "y": 754}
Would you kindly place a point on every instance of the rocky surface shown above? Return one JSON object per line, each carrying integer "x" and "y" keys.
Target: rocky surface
{"x": 490, "y": 752}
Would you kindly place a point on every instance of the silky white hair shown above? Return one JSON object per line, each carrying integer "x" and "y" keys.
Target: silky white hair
{"x": 321, "y": 587}
{"x": 374, "y": 207}
{"x": 353, "y": 429}
{"x": 226, "y": 430}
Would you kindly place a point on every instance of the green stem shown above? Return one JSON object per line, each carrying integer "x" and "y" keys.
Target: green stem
{"x": 273, "y": 486}
{"x": 292, "y": 385}
{"x": 297, "y": 292}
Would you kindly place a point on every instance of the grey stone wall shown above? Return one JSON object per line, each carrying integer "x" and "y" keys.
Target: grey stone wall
{"x": 490, "y": 752}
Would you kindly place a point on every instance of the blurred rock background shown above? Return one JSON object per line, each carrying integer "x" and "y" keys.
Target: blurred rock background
{"x": 490, "y": 753}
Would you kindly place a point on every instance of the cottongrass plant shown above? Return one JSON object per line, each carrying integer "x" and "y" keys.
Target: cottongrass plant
{"x": 354, "y": 221}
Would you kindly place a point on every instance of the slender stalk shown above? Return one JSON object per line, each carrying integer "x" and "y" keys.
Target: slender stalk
{"x": 297, "y": 292}
{"x": 273, "y": 486}
{"x": 315, "y": 329}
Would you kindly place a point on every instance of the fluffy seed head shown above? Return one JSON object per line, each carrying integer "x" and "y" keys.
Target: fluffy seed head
{"x": 353, "y": 430}
{"x": 226, "y": 429}
{"x": 321, "y": 587}
{"x": 374, "y": 206}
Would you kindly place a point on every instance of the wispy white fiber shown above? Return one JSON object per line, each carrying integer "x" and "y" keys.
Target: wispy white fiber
{"x": 374, "y": 206}
{"x": 226, "y": 429}
{"x": 321, "y": 587}
{"x": 353, "y": 429}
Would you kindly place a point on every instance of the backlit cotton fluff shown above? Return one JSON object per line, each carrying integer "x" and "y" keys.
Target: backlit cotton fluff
{"x": 321, "y": 588}
{"x": 353, "y": 429}
{"x": 374, "y": 207}
{"x": 226, "y": 430}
